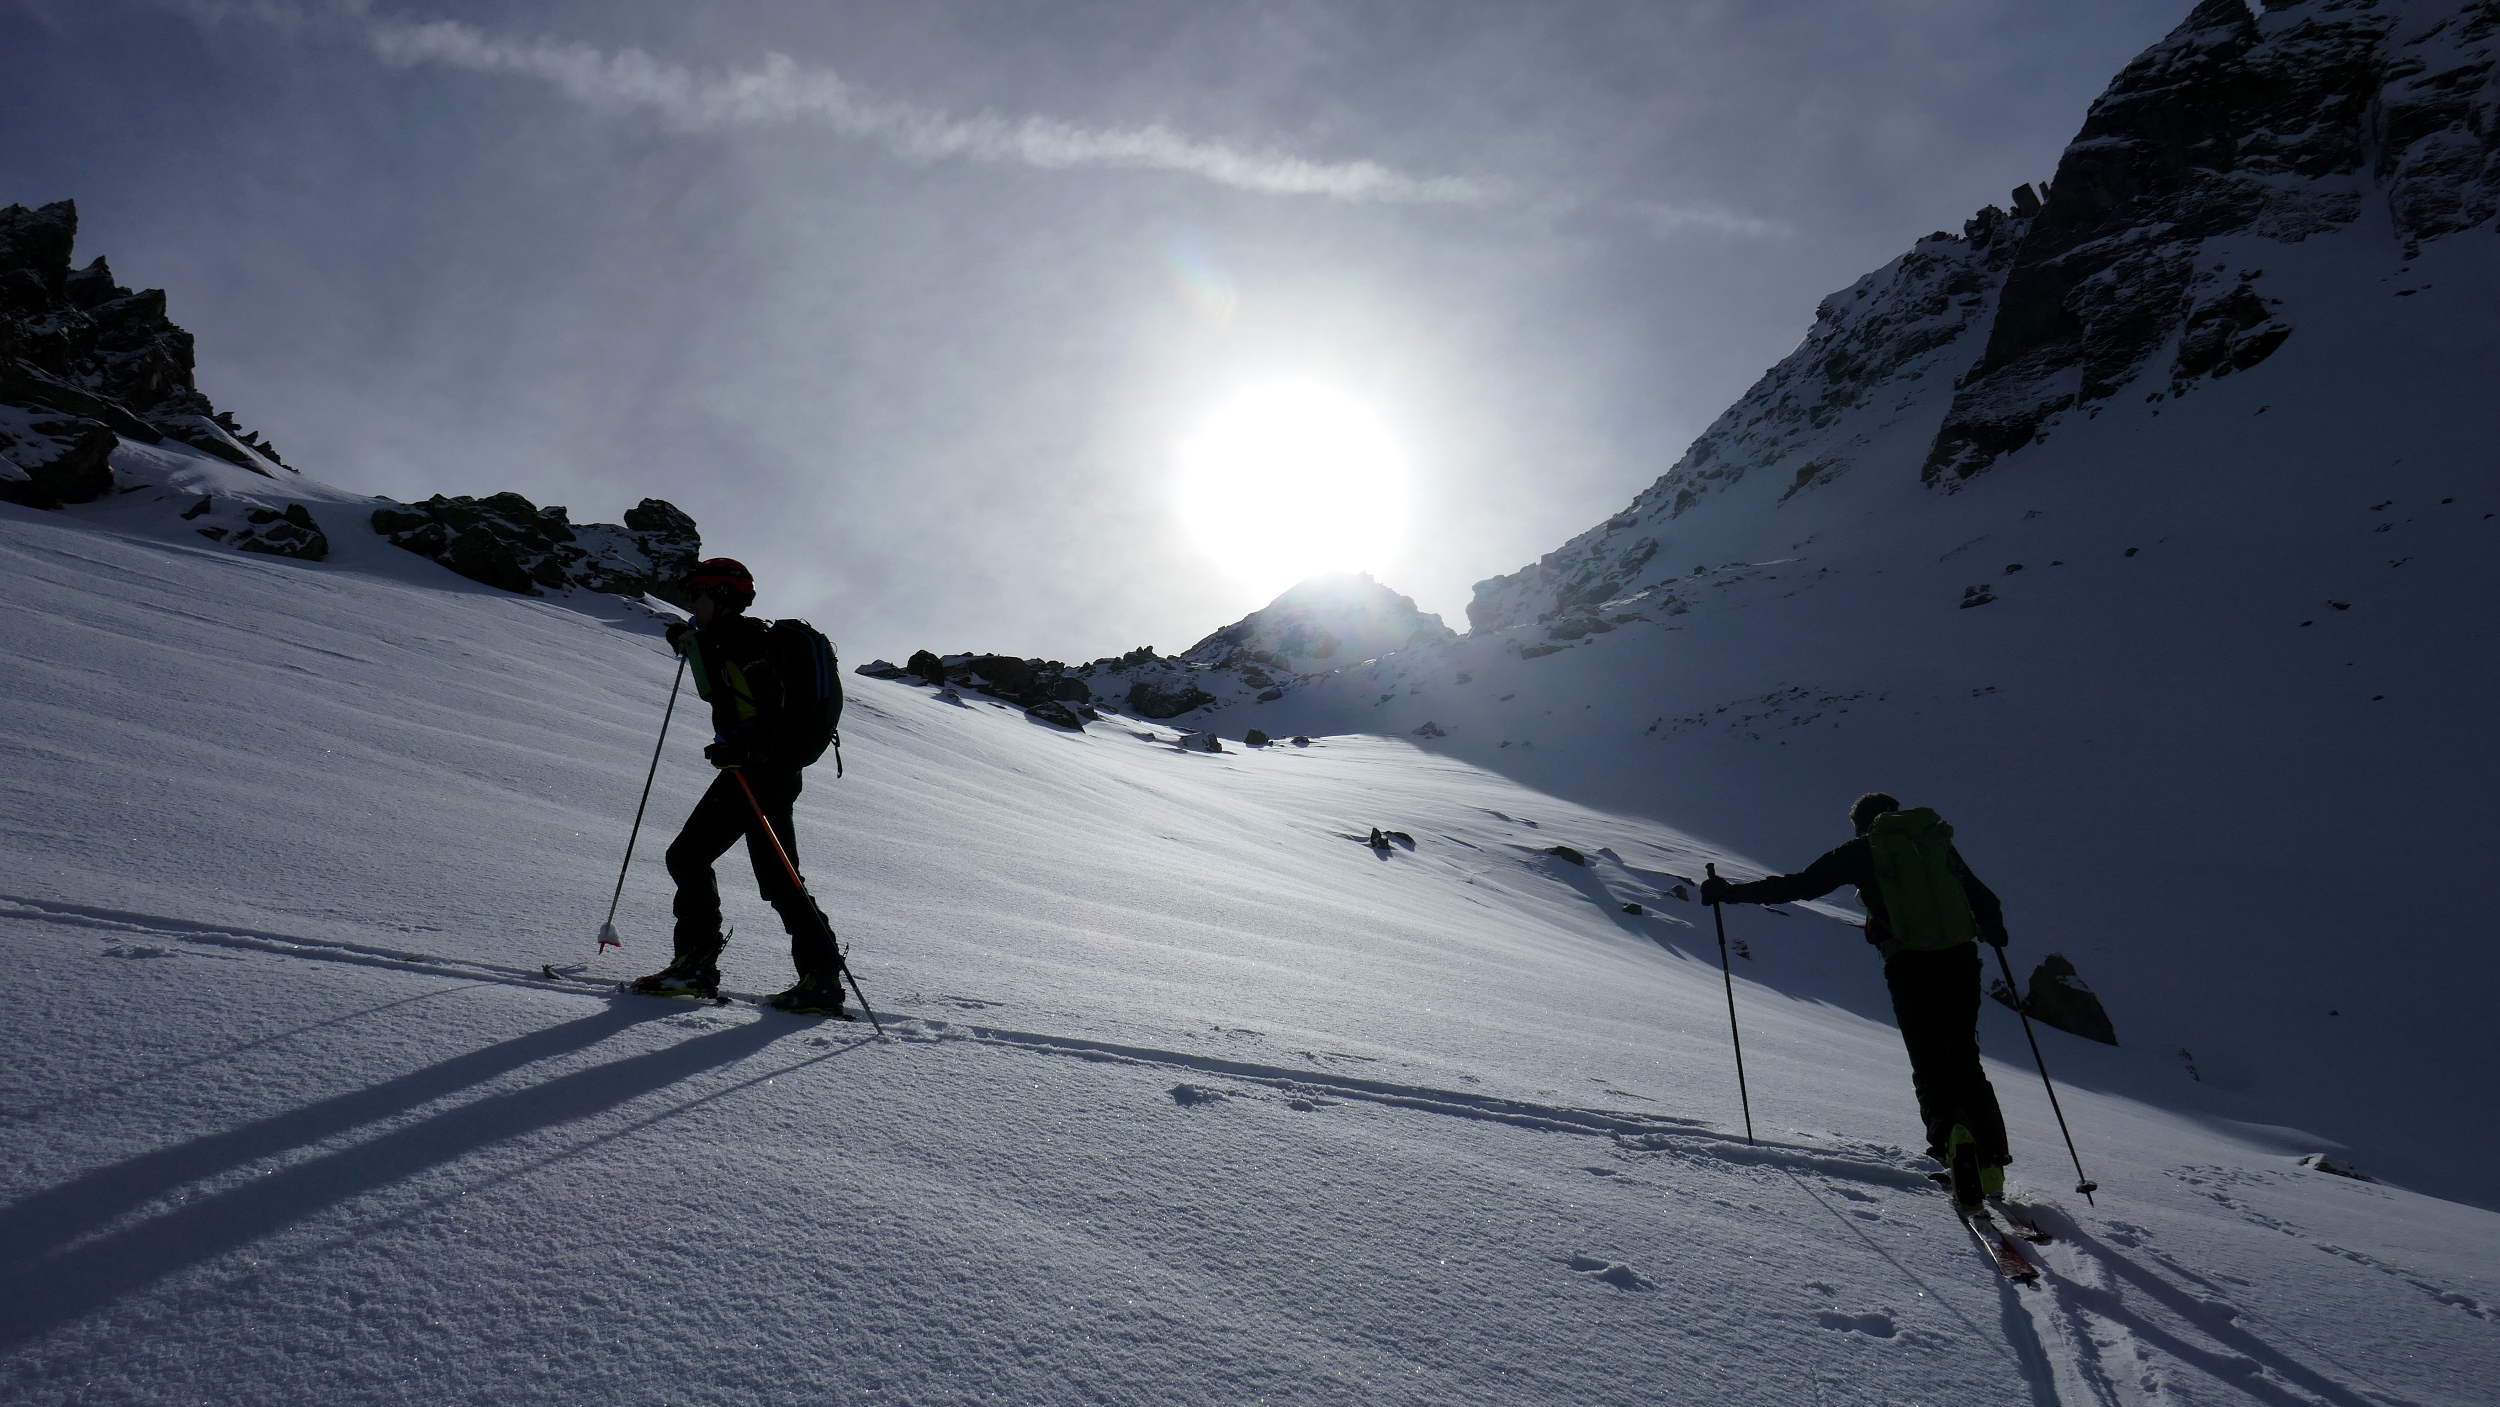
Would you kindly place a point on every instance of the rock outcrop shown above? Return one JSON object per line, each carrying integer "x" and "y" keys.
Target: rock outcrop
{"x": 506, "y": 541}
{"x": 85, "y": 363}
{"x": 2283, "y": 128}
{"x": 1323, "y": 624}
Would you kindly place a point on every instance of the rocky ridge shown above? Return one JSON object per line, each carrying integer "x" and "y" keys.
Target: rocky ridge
{"x": 506, "y": 541}
{"x": 2272, "y": 128}
{"x": 86, "y": 363}
{"x": 87, "y": 366}
{"x": 1319, "y": 627}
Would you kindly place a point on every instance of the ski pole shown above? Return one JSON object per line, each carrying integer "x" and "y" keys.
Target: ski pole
{"x": 2083, "y": 1184}
{"x": 1711, "y": 868}
{"x": 839, "y": 963}
{"x": 607, "y": 930}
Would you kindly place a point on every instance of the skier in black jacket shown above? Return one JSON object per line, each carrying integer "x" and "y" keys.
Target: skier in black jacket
{"x": 731, "y": 657}
{"x": 1924, "y": 908}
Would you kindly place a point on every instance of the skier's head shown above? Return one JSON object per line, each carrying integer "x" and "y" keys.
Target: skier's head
{"x": 725, "y": 581}
{"x": 1864, "y": 810}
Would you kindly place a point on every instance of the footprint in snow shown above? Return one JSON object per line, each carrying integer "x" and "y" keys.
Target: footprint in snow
{"x": 1612, "y": 1272}
{"x": 1187, "y": 1095}
{"x": 1876, "y": 1326}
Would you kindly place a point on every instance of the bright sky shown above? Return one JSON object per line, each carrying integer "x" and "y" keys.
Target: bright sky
{"x": 924, "y": 310}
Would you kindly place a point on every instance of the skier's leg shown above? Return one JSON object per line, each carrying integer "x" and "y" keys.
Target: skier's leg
{"x": 1974, "y": 1098}
{"x": 715, "y": 824}
{"x": 1926, "y": 1034}
{"x": 811, "y": 944}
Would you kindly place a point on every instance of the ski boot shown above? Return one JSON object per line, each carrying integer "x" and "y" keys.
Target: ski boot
{"x": 816, "y": 994}
{"x": 1969, "y": 1185}
{"x": 690, "y": 975}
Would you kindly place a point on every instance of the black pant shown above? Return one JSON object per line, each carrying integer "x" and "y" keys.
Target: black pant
{"x": 1935, "y": 997}
{"x": 719, "y": 819}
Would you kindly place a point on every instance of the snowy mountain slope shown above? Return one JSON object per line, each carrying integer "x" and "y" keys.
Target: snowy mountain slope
{"x": 1191, "y": 1096}
{"x": 2198, "y": 667}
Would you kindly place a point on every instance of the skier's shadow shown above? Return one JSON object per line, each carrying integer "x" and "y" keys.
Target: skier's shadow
{"x": 54, "y": 1267}
{"x": 2231, "y": 1363}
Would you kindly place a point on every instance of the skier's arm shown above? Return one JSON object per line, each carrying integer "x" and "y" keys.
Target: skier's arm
{"x": 1984, "y": 905}
{"x": 1849, "y": 863}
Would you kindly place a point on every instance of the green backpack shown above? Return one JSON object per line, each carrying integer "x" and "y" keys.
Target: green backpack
{"x": 1923, "y": 899}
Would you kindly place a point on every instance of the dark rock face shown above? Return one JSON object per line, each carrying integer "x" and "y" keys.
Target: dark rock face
{"x": 928, "y": 667}
{"x": 1056, "y": 714}
{"x": 2230, "y": 125}
{"x": 57, "y": 460}
{"x": 1154, "y": 698}
{"x": 83, "y": 358}
{"x": 247, "y": 526}
{"x": 2309, "y": 117}
{"x": 506, "y": 541}
{"x": 2059, "y": 998}
{"x": 291, "y": 533}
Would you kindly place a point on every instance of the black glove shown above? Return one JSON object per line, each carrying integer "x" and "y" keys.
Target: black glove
{"x": 726, "y": 755}
{"x": 676, "y": 632}
{"x": 1714, "y": 890}
{"x": 1996, "y": 940}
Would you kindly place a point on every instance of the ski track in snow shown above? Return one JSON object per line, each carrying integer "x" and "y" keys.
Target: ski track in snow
{"x": 2100, "y": 1328}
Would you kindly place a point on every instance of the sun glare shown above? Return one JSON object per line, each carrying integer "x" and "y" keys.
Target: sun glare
{"x": 1290, "y": 480}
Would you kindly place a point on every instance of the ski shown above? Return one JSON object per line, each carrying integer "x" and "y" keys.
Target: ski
{"x": 579, "y": 977}
{"x": 578, "y": 974}
{"x": 2018, "y": 1218}
{"x": 2019, "y": 1221}
{"x": 2007, "y": 1257}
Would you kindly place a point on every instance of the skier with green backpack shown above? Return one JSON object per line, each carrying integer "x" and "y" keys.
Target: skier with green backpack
{"x": 776, "y": 704}
{"x": 1924, "y": 909}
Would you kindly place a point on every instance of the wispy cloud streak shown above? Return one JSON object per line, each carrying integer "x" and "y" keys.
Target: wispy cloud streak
{"x": 782, "y": 91}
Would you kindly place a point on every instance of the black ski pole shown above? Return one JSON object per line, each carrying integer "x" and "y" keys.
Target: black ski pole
{"x": 607, "y": 930}
{"x": 1734, "y": 1036}
{"x": 840, "y": 964}
{"x": 2083, "y": 1184}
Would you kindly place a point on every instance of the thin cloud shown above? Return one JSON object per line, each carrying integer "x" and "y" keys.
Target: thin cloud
{"x": 781, "y": 91}
{"x": 1664, "y": 219}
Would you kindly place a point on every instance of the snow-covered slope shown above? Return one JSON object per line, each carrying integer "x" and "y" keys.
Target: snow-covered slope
{"x": 1190, "y": 1095}
{"x": 2198, "y": 661}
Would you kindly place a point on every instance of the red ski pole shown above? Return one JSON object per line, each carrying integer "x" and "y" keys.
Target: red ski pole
{"x": 839, "y": 965}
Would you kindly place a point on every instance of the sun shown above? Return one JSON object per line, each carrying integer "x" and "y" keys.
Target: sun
{"x": 1288, "y": 480}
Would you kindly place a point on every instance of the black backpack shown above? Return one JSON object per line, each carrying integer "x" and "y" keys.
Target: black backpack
{"x": 812, "y": 720}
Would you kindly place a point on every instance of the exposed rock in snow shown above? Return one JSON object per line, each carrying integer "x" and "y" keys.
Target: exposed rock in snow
{"x": 507, "y": 541}
{"x": 1323, "y": 625}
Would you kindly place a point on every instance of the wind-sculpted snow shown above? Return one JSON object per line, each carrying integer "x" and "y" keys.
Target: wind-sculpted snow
{"x": 1188, "y": 1095}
